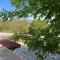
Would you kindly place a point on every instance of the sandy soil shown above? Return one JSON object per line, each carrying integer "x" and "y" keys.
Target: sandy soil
{"x": 4, "y": 34}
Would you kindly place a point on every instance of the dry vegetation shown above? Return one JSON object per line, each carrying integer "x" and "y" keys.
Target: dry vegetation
{"x": 14, "y": 26}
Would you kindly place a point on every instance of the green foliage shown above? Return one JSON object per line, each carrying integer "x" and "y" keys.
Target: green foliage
{"x": 41, "y": 38}
{"x": 16, "y": 36}
{"x": 32, "y": 37}
{"x": 36, "y": 8}
{"x": 42, "y": 8}
{"x": 50, "y": 9}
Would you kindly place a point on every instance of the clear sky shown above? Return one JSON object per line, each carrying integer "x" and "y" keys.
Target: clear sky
{"x": 6, "y": 5}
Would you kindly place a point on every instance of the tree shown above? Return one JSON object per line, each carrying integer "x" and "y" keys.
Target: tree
{"x": 45, "y": 8}
{"x": 50, "y": 10}
{"x": 42, "y": 8}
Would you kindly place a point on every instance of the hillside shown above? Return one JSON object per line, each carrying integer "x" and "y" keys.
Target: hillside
{"x": 14, "y": 26}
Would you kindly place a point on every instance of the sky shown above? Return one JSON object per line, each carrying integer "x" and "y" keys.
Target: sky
{"x": 6, "y": 5}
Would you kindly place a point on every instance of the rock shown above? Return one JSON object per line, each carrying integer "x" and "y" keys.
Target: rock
{"x": 6, "y": 54}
